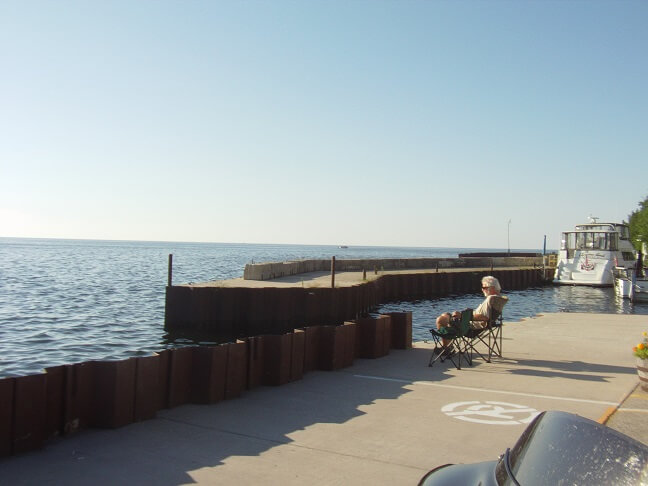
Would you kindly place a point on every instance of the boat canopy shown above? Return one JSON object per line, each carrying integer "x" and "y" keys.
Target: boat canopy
{"x": 622, "y": 229}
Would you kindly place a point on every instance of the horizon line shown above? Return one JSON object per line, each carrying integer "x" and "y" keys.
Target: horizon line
{"x": 266, "y": 244}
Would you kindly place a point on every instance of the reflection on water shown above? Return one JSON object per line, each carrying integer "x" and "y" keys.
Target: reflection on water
{"x": 522, "y": 303}
{"x": 67, "y": 301}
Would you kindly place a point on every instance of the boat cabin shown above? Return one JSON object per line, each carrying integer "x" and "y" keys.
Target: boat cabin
{"x": 600, "y": 236}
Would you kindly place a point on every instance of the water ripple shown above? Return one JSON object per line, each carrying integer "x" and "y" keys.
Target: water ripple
{"x": 68, "y": 301}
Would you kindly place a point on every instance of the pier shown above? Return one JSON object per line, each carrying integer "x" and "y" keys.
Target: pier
{"x": 262, "y": 333}
{"x": 278, "y": 297}
{"x": 378, "y": 421}
{"x": 331, "y": 399}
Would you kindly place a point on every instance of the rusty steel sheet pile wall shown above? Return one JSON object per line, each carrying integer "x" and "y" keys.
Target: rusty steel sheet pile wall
{"x": 108, "y": 394}
{"x": 225, "y": 313}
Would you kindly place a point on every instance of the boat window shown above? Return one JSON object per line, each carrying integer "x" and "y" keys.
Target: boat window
{"x": 596, "y": 227}
{"x": 601, "y": 241}
{"x": 584, "y": 241}
{"x": 589, "y": 240}
{"x": 628, "y": 256}
{"x": 568, "y": 241}
{"x": 624, "y": 232}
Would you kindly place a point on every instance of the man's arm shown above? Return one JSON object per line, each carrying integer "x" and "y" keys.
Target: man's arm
{"x": 483, "y": 311}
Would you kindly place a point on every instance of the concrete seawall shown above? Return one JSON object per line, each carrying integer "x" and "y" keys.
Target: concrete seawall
{"x": 273, "y": 270}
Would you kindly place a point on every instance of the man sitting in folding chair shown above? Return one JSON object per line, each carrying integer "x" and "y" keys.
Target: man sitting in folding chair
{"x": 491, "y": 288}
{"x": 492, "y": 305}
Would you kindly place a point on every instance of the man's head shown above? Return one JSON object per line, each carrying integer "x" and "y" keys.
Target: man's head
{"x": 490, "y": 285}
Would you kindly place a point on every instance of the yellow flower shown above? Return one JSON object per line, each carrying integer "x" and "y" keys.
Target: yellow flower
{"x": 640, "y": 346}
{"x": 645, "y": 333}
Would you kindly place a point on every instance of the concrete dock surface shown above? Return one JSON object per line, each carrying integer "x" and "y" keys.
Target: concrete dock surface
{"x": 342, "y": 278}
{"x": 385, "y": 421}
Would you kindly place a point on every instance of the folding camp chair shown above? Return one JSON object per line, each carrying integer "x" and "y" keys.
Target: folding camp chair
{"x": 455, "y": 351}
{"x": 490, "y": 336}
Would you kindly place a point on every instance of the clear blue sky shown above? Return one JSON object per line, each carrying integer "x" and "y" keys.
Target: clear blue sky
{"x": 403, "y": 123}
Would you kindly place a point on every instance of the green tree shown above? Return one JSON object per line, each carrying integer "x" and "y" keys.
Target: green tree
{"x": 638, "y": 220}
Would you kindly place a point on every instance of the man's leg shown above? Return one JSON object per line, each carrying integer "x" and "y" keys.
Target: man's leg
{"x": 443, "y": 321}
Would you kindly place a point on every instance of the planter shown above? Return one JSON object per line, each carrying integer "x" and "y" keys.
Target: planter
{"x": 642, "y": 370}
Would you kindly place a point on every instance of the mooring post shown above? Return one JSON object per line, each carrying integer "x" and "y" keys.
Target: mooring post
{"x": 544, "y": 256}
{"x": 332, "y": 272}
{"x": 170, "y": 278}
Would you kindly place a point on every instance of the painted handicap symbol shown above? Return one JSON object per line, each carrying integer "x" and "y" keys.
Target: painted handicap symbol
{"x": 497, "y": 413}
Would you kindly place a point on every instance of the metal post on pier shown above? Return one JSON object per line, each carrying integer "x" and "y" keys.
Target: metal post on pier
{"x": 544, "y": 257}
{"x": 508, "y": 237}
{"x": 332, "y": 272}
{"x": 170, "y": 277}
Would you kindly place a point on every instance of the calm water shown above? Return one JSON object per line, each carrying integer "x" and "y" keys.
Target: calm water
{"x": 66, "y": 301}
{"x": 522, "y": 303}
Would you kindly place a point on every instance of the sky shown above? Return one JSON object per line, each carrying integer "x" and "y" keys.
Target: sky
{"x": 472, "y": 124}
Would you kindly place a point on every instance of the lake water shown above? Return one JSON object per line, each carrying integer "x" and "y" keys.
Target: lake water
{"x": 67, "y": 301}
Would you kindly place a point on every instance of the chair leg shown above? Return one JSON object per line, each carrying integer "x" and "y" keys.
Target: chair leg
{"x": 464, "y": 352}
{"x": 496, "y": 347}
{"x": 437, "y": 351}
{"x": 453, "y": 352}
{"x": 490, "y": 349}
{"x": 472, "y": 341}
{"x": 500, "y": 344}
{"x": 457, "y": 354}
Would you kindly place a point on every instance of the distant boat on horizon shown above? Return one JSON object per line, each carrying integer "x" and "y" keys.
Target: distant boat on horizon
{"x": 343, "y": 246}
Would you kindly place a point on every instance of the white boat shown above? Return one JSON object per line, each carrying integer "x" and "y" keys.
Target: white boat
{"x": 629, "y": 286}
{"x": 589, "y": 254}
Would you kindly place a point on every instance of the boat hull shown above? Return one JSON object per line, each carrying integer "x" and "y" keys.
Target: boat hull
{"x": 580, "y": 282}
{"x": 626, "y": 289}
{"x": 594, "y": 269}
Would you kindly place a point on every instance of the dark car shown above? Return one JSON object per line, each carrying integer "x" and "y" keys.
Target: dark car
{"x": 557, "y": 448}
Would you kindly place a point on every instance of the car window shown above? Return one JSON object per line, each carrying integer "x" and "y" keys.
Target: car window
{"x": 559, "y": 448}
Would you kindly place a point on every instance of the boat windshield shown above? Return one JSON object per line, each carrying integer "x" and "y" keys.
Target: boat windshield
{"x": 590, "y": 240}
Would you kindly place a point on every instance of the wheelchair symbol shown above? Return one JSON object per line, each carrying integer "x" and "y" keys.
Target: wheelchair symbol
{"x": 496, "y": 413}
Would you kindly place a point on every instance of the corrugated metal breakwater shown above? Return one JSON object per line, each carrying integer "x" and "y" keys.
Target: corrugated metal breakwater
{"x": 229, "y": 312}
{"x": 109, "y": 394}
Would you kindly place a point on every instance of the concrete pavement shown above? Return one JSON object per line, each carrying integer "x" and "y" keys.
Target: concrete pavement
{"x": 342, "y": 279}
{"x": 384, "y": 421}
